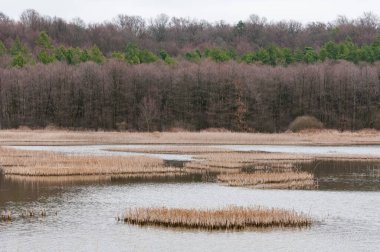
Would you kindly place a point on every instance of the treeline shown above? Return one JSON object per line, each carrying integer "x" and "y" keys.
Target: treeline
{"x": 194, "y": 96}
{"x": 45, "y": 52}
{"x": 37, "y": 38}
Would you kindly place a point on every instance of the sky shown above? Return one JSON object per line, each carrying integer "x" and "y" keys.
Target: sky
{"x": 230, "y": 11}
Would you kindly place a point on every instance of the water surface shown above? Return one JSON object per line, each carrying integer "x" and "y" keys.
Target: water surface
{"x": 81, "y": 216}
{"x": 81, "y": 212}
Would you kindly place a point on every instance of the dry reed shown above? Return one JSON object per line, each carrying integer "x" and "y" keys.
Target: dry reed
{"x": 220, "y": 219}
{"x": 278, "y": 180}
{"x": 6, "y": 216}
{"x": 237, "y": 161}
{"x": 65, "y": 137}
{"x": 33, "y": 163}
{"x": 57, "y": 180}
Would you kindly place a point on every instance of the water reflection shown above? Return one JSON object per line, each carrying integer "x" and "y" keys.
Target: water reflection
{"x": 31, "y": 188}
{"x": 345, "y": 175}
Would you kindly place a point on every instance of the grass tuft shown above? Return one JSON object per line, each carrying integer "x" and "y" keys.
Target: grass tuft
{"x": 229, "y": 218}
{"x": 275, "y": 180}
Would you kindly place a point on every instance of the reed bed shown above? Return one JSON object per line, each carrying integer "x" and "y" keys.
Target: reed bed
{"x": 229, "y": 218}
{"x": 31, "y": 163}
{"x": 275, "y": 180}
{"x": 237, "y": 161}
{"x": 66, "y": 137}
{"x": 89, "y": 179}
{"x": 57, "y": 180}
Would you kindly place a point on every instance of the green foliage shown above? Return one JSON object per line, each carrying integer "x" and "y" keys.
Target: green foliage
{"x": 263, "y": 56}
{"x": 45, "y": 57}
{"x": 96, "y": 55}
{"x": 310, "y": 56}
{"x": 220, "y": 54}
{"x": 298, "y": 55}
{"x": 376, "y": 48}
{"x": 18, "y": 48}
{"x": 288, "y": 56}
{"x": 45, "y": 53}
{"x": 366, "y": 54}
{"x": 3, "y": 49}
{"x": 193, "y": 56}
{"x": 147, "y": 56}
{"x": 271, "y": 55}
{"x": 60, "y": 53}
{"x": 323, "y": 54}
{"x": 118, "y": 56}
{"x": 20, "y": 54}
{"x": 275, "y": 55}
{"x": 332, "y": 50}
{"x": 72, "y": 55}
{"x": 240, "y": 28}
{"x": 347, "y": 50}
{"x": 249, "y": 57}
{"x": 44, "y": 41}
{"x": 19, "y": 60}
{"x": 84, "y": 56}
{"x": 132, "y": 53}
{"x": 166, "y": 57}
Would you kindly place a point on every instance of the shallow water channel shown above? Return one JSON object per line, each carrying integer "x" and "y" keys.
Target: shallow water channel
{"x": 81, "y": 213}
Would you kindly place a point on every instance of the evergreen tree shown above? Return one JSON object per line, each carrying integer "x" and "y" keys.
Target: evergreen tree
{"x": 45, "y": 49}
{"x": 96, "y": 55}
{"x": 19, "y": 60}
{"x": 3, "y": 49}
{"x": 60, "y": 53}
{"x": 45, "y": 57}
{"x": 240, "y": 28}
{"x": 146, "y": 56}
{"x": 332, "y": 50}
{"x": 219, "y": 54}
{"x": 18, "y": 48}
{"x": 132, "y": 54}
{"x": 310, "y": 56}
{"x": 376, "y": 47}
{"x": 288, "y": 56}
{"x": 44, "y": 41}
{"x": 166, "y": 57}
{"x": 263, "y": 56}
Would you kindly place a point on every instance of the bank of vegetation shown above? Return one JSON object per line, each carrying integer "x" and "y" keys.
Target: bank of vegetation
{"x": 130, "y": 74}
{"x": 35, "y": 163}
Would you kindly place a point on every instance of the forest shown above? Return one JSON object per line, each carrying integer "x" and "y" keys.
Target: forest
{"x": 165, "y": 73}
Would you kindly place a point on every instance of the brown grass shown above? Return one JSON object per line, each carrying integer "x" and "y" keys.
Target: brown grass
{"x": 5, "y": 216}
{"x": 238, "y": 161}
{"x": 8, "y": 216}
{"x": 90, "y": 179}
{"x": 33, "y": 163}
{"x": 275, "y": 180}
{"x": 57, "y": 180}
{"x": 305, "y": 123}
{"x": 220, "y": 219}
{"x": 62, "y": 137}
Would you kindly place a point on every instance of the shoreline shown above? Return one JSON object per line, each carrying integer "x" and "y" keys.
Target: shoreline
{"x": 78, "y": 138}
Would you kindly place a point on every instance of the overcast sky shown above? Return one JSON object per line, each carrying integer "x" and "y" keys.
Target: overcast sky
{"x": 210, "y": 10}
